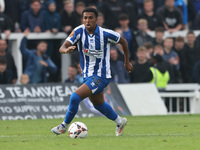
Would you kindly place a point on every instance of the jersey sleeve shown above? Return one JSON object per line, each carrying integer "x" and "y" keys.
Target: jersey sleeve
{"x": 113, "y": 36}
{"x": 74, "y": 36}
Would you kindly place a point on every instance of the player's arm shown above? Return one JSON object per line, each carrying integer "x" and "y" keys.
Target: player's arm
{"x": 66, "y": 48}
{"x": 127, "y": 64}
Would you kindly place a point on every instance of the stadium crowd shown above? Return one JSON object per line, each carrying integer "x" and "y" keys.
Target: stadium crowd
{"x": 158, "y": 60}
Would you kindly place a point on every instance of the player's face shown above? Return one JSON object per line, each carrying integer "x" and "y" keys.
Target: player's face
{"x": 89, "y": 20}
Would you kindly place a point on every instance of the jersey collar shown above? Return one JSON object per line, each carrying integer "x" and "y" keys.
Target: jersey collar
{"x": 96, "y": 32}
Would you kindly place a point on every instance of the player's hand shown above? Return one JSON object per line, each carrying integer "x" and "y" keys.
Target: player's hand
{"x": 129, "y": 67}
{"x": 68, "y": 50}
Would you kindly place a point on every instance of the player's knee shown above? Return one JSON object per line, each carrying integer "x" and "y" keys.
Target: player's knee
{"x": 75, "y": 99}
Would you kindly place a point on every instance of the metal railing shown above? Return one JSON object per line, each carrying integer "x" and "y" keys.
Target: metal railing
{"x": 182, "y": 98}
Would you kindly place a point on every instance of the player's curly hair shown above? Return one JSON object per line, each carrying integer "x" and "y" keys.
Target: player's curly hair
{"x": 89, "y": 9}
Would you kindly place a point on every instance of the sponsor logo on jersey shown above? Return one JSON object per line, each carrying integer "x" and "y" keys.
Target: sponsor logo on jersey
{"x": 72, "y": 34}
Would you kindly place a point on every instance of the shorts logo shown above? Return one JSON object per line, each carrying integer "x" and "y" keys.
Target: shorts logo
{"x": 92, "y": 84}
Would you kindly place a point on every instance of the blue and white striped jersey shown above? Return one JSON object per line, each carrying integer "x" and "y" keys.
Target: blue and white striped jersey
{"x": 94, "y": 50}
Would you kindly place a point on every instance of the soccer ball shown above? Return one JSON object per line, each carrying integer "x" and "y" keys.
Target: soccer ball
{"x": 77, "y": 130}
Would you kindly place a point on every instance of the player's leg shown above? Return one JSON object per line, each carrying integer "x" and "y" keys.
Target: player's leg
{"x": 99, "y": 103}
{"x": 106, "y": 109}
{"x": 81, "y": 93}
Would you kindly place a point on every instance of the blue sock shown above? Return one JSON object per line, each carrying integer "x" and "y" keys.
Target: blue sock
{"x": 107, "y": 110}
{"x": 73, "y": 107}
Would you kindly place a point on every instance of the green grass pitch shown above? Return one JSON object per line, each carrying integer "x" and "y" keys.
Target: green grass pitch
{"x": 175, "y": 132}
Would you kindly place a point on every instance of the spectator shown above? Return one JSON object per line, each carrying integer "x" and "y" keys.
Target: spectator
{"x": 152, "y": 18}
{"x": 159, "y": 72}
{"x": 68, "y": 17}
{"x": 197, "y": 21}
{"x": 158, "y": 50}
{"x": 99, "y": 4}
{"x": 11, "y": 68}
{"x": 179, "y": 49}
{"x": 130, "y": 7}
{"x": 80, "y": 6}
{"x": 114, "y": 9}
{"x": 141, "y": 70}
{"x": 171, "y": 16}
{"x": 196, "y": 5}
{"x": 87, "y": 2}
{"x": 118, "y": 72}
{"x": 52, "y": 18}
{"x": 172, "y": 58}
{"x": 52, "y": 24}
{"x": 37, "y": 62}
{"x": 33, "y": 19}
{"x": 92, "y": 5}
{"x": 59, "y": 5}
{"x": 159, "y": 34}
{"x": 196, "y": 72}
{"x": 191, "y": 56}
{"x": 72, "y": 74}
{"x": 12, "y": 9}
{"x": 100, "y": 20}
{"x": 24, "y": 79}
{"x": 142, "y": 37}
{"x": 128, "y": 34}
{"x": 179, "y": 46}
{"x": 118, "y": 46}
{"x": 140, "y": 6}
{"x": 149, "y": 48}
{"x": 6, "y": 24}
{"x": 25, "y": 5}
{"x": 191, "y": 13}
{"x": 158, "y": 4}
{"x": 3, "y": 71}
{"x": 180, "y": 4}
